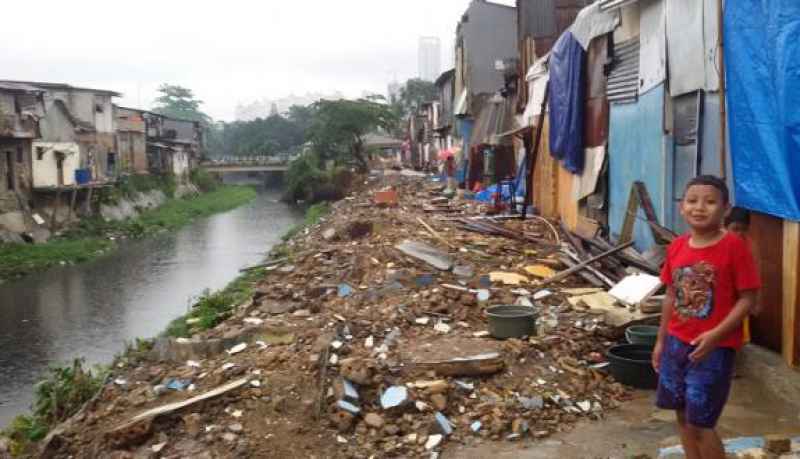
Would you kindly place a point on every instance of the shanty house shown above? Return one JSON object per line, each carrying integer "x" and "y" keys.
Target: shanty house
{"x": 173, "y": 146}
{"x": 20, "y": 109}
{"x": 131, "y": 139}
{"x": 443, "y": 127}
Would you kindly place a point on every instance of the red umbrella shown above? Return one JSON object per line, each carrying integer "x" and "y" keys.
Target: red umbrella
{"x": 444, "y": 154}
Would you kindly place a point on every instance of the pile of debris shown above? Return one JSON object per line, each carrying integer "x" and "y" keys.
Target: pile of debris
{"x": 368, "y": 337}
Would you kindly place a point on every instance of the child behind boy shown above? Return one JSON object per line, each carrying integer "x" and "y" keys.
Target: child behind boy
{"x": 711, "y": 283}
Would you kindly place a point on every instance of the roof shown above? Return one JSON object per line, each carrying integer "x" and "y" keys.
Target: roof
{"x": 444, "y": 77}
{"x": 381, "y": 140}
{"x": 55, "y": 86}
{"x": 606, "y": 5}
{"x": 13, "y": 86}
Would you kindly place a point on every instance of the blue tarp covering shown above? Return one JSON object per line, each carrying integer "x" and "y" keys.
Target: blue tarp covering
{"x": 567, "y": 102}
{"x": 762, "y": 59}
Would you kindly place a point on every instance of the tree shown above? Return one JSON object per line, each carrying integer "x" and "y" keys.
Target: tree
{"x": 338, "y": 128}
{"x": 179, "y": 102}
{"x": 413, "y": 94}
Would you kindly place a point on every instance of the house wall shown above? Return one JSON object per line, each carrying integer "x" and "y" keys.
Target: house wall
{"x": 637, "y": 147}
{"x": 7, "y": 104}
{"x": 56, "y": 126}
{"x": 19, "y": 149}
{"x": 184, "y": 130}
{"x": 45, "y": 165}
{"x": 489, "y": 34}
{"x": 180, "y": 164}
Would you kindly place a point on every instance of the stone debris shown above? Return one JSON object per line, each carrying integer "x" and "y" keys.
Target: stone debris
{"x": 369, "y": 339}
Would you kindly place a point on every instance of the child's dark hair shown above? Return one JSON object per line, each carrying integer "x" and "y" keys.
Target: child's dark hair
{"x": 711, "y": 180}
{"x": 738, "y": 215}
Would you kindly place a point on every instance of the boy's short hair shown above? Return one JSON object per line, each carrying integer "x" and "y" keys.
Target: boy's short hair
{"x": 738, "y": 215}
{"x": 711, "y": 180}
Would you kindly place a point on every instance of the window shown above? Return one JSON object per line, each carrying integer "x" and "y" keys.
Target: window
{"x": 39, "y": 153}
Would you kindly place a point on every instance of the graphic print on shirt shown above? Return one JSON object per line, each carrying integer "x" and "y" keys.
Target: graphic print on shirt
{"x": 694, "y": 290}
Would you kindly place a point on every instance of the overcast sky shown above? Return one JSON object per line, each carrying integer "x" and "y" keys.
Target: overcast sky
{"x": 228, "y": 52}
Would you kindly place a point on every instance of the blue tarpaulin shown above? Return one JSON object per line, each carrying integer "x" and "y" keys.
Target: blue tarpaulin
{"x": 762, "y": 60}
{"x": 567, "y": 102}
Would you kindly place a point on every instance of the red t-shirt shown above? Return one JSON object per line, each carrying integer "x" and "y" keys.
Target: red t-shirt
{"x": 706, "y": 283}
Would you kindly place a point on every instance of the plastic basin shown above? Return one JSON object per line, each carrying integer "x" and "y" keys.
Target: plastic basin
{"x": 642, "y": 334}
{"x": 630, "y": 364}
{"x": 511, "y": 321}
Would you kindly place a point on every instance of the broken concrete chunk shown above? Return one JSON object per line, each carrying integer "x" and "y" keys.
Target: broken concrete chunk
{"x": 237, "y": 349}
{"x": 426, "y": 253}
{"x": 439, "y": 401}
{"x": 442, "y": 327}
{"x": 433, "y": 441}
{"x": 394, "y": 397}
{"x": 531, "y": 403}
{"x": 329, "y": 234}
{"x": 463, "y": 271}
{"x": 359, "y": 371}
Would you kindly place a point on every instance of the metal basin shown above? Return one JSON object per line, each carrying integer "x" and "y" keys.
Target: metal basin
{"x": 511, "y": 321}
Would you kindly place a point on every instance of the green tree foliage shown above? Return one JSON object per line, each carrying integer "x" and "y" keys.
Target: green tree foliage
{"x": 273, "y": 135}
{"x": 338, "y": 128}
{"x": 412, "y": 95}
{"x": 179, "y": 102}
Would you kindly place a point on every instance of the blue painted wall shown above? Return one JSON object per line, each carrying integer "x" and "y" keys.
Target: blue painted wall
{"x": 464, "y": 128}
{"x": 637, "y": 147}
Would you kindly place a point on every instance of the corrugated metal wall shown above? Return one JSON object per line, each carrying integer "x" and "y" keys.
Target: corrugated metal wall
{"x": 636, "y": 152}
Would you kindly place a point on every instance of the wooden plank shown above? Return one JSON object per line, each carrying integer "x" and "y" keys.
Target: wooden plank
{"x": 766, "y": 233}
{"x": 566, "y": 273}
{"x": 791, "y": 263}
{"x": 72, "y": 203}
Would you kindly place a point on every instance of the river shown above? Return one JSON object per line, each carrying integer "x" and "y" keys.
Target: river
{"x": 91, "y": 310}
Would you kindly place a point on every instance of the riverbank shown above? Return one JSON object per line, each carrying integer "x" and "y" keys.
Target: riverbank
{"x": 341, "y": 302}
{"x": 95, "y": 237}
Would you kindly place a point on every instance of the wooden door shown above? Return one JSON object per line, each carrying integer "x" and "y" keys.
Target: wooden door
{"x": 767, "y": 237}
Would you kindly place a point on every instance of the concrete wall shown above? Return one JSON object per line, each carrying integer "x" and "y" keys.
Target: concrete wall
{"x": 56, "y": 125}
{"x": 180, "y": 164}
{"x": 489, "y": 34}
{"x": 45, "y": 165}
{"x": 7, "y": 104}
{"x": 21, "y": 179}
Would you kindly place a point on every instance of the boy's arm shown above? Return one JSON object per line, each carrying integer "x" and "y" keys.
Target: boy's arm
{"x": 708, "y": 341}
{"x": 666, "y": 314}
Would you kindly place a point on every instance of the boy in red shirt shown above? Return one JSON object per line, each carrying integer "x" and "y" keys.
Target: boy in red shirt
{"x": 711, "y": 281}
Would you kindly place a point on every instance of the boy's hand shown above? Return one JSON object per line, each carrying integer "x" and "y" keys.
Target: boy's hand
{"x": 705, "y": 343}
{"x": 656, "y": 359}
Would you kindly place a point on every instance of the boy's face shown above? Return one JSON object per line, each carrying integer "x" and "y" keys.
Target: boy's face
{"x": 702, "y": 207}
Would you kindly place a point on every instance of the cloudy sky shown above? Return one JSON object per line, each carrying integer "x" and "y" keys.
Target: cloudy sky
{"x": 229, "y": 52}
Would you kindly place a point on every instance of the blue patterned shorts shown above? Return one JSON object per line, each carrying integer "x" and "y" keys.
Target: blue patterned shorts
{"x": 699, "y": 389}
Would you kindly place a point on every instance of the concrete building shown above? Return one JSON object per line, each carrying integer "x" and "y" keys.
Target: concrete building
{"x": 20, "y": 108}
{"x": 430, "y": 58}
{"x": 131, "y": 139}
{"x": 173, "y": 146}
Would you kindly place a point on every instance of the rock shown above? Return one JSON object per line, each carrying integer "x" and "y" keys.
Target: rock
{"x": 519, "y": 426}
{"x": 194, "y": 424}
{"x": 531, "y": 403}
{"x": 40, "y": 235}
{"x": 230, "y": 437}
{"x": 276, "y": 307}
{"x": 391, "y": 429}
{"x": 374, "y": 420}
{"x": 236, "y": 427}
{"x": 426, "y": 253}
{"x": 302, "y": 313}
{"x": 439, "y": 402}
{"x": 777, "y": 444}
{"x": 329, "y": 234}
{"x": 342, "y": 421}
{"x": 10, "y": 237}
{"x": 360, "y": 371}
{"x": 433, "y": 441}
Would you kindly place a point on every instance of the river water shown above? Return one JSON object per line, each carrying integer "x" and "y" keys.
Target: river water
{"x": 91, "y": 310}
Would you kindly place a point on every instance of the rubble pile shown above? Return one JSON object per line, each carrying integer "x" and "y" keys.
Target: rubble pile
{"x": 367, "y": 337}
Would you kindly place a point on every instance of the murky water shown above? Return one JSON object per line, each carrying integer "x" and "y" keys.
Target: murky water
{"x": 91, "y": 310}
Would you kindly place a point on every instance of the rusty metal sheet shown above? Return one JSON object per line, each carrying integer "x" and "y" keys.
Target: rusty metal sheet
{"x": 596, "y": 58}
{"x": 596, "y": 122}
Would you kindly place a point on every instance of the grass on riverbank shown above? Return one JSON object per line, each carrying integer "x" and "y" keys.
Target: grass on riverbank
{"x": 90, "y": 238}
{"x": 56, "y": 398}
